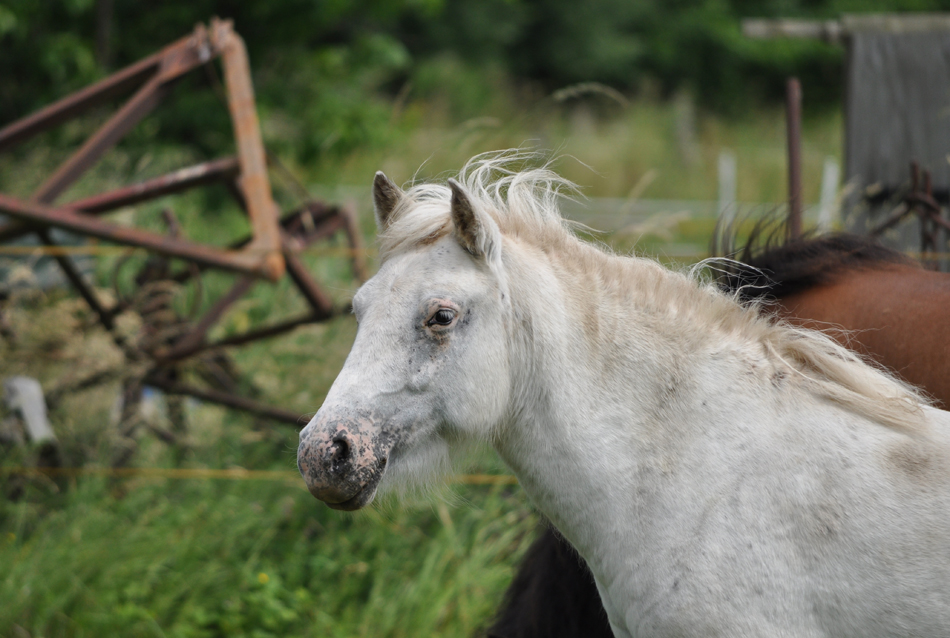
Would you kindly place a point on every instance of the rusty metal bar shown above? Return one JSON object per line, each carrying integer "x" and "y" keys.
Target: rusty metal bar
{"x": 893, "y": 218}
{"x": 172, "y": 62}
{"x": 355, "y": 240}
{"x": 194, "y": 341}
{"x": 171, "y": 222}
{"x": 191, "y": 341}
{"x": 175, "y": 60}
{"x": 267, "y": 331}
{"x": 793, "y": 120}
{"x": 315, "y": 213}
{"x": 245, "y": 262}
{"x": 122, "y": 81}
{"x": 247, "y": 337}
{"x": 71, "y": 106}
{"x": 321, "y": 304}
{"x": 247, "y": 133}
{"x": 86, "y": 292}
{"x": 176, "y": 181}
{"x": 929, "y": 223}
{"x": 226, "y": 399}
{"x": 940, "y": 221}
{"x": 324, "y": 226}
{"x": 144, "y": 100}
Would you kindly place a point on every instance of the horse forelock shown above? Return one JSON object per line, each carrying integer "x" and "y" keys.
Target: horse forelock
{"x": 523, "y": 202}
{"x": 420, "y": 218}
{"x": 524, "y": 205}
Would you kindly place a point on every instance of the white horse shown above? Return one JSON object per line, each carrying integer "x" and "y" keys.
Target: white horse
{"x": 722, "y": 474}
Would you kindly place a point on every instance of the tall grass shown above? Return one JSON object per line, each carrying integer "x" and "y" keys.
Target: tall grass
{"x": 608, "y": 148}
{"x": 221, "y": 558}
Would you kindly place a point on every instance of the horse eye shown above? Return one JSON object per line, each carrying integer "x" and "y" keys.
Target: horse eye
{"x": 442, "y": 318}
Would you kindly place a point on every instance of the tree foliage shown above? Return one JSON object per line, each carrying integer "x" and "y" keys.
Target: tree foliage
{"x": 330, "y": 67}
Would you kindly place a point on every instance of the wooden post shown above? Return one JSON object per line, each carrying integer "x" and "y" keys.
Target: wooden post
{"x": 793, "y": 115}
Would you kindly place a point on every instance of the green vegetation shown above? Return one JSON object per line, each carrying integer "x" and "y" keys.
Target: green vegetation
{"x": 223, "y": 558}
{"x": 331, "y": 69}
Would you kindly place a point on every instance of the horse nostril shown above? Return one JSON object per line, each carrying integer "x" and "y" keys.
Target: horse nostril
{"x": 339, "y": 451}
{"x": 382, "y": 463}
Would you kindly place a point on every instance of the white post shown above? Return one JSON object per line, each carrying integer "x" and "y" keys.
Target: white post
{"x": 25, "y": 395}
{"x": 727, "y": 187}
{"x": 828, "y": 204}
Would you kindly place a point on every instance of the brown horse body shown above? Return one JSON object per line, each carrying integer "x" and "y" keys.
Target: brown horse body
{"x": 896, "y": 315}
{"x": 868, "y": 297}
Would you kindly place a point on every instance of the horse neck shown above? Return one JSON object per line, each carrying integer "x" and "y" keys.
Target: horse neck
{"x": 597, "y": 325}
{"x": 605, "y": 354}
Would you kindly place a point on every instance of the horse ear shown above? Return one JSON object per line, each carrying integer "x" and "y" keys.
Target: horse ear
{"x": 475, "y": 230}
{"x": 386, "y": 196}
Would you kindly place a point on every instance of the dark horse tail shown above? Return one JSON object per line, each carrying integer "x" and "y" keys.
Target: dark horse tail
{"x": 553, "y": 595}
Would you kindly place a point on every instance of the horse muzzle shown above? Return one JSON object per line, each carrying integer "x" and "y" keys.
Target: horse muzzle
{"x": 342, "y": 459}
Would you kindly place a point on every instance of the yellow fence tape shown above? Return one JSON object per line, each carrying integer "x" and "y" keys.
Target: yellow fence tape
{"x": 233, "y": 474}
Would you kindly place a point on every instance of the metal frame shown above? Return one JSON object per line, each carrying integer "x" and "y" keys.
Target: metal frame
{"x": 154, "y": 77}
{"x": 919, "y": 201}
{"x": 271, "y": 250}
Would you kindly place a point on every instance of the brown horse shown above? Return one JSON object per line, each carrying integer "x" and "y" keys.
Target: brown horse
{"x": 890, "y": 308}
{"x": 869, "y": 297}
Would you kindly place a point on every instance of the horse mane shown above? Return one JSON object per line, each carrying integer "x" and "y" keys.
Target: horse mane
{"x": 773, "y": 265}
{"x": 523, "y": 201}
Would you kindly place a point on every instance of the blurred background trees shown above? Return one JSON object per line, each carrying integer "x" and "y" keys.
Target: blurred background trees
{"x": 330, "y": 70}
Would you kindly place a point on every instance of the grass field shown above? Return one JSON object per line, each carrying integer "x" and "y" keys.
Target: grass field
{"x": 213, "y": 557}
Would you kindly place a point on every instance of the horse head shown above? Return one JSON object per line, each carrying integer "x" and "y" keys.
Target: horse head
{"x": 429, "y": 366}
